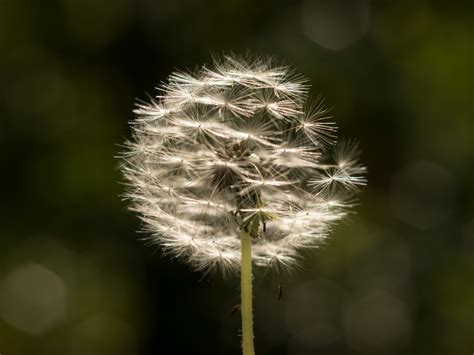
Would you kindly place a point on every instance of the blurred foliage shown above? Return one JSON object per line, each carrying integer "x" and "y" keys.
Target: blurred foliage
{"x": 75, "y": 279}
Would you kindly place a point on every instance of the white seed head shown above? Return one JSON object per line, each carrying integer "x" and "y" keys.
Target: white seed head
{"x": 235, "y": 146}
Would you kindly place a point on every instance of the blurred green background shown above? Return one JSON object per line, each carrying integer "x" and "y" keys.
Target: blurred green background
{"x": 398, "y": 278}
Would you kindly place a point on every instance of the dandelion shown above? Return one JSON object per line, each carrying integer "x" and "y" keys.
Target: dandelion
{"x": 234, "y": 165}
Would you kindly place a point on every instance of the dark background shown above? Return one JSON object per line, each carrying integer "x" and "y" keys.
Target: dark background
{"x": 398, "y": 278}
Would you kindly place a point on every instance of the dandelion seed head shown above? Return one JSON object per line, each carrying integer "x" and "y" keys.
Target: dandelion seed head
{"x": 230, "y": 144}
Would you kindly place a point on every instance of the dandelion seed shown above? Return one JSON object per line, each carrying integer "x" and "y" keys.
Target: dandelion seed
{"x": 228, "y": 167}
{"x": 223, "y": 142}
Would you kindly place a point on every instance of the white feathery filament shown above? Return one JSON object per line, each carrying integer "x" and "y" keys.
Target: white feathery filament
{"x": 236, "y": 142}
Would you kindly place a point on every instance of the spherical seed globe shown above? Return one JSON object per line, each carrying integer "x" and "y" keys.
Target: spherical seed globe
{"x": 238, "y": 145}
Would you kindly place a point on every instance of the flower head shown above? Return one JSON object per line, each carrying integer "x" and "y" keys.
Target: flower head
{"x": 238, "y": 146}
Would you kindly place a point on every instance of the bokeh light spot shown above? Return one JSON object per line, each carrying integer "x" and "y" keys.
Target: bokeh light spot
{"x": 335, "y": 24}
{"x": 377, "y": 320}
{"x": 33, "y": 299}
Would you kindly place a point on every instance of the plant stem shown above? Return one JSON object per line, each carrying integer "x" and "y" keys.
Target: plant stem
{"x": 246, "y": 293}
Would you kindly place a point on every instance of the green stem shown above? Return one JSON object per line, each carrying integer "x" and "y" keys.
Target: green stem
{"x": 246, "y": 293}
